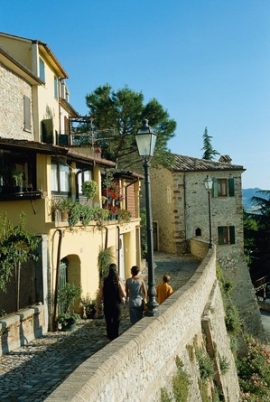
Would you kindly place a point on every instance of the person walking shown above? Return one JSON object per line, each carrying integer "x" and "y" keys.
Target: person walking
{"x": 164, "y": 290}
{"x": 136, "y": 293}
{"x": 111, "y": 291}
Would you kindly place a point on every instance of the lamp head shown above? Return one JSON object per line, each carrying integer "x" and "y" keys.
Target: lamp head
{"x": 208, "y": 182}
{"x": 146, "y": 140}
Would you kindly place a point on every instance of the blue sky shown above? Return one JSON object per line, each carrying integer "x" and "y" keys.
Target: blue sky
{"x": 206, "y": 61}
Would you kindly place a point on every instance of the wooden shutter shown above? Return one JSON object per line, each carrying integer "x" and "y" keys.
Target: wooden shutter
{"x": 215, "y": 187}
{"x": 66, "y": 123}
{"x": 220, "y": 235}
{"x": 47, "y": 131}
{"x": 232, "y": 235}
{"x": 26, "y": 113}
{"x": 231, "y": 187}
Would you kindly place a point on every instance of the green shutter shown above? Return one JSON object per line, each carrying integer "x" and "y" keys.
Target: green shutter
{"x": 231, "y": 187}
{"x": 215, "y": 187}
{"x": 232, "y": 235}
{"x": 47, "y": 131}
{"x": 220, "y": 235}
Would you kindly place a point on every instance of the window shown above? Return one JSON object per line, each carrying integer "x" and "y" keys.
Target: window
{"x": 17, "y": 162}
{"x": 42, "y": 70}
{"x": 223, "y": 187}
{"x": 226, "y": 235}
{"x": 55, "y": 87}
{"x": 26, "y": 113}
{"x": 82, "y": 177}
{"x": 60, "y": 177}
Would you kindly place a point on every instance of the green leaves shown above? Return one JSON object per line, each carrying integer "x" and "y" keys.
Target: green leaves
{"x": 117, "y": 115}
{"x": 209, "y": 151}
{"x": 17, "y": 245}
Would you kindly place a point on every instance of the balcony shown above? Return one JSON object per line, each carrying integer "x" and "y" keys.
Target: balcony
{"x": 8, "y": 193}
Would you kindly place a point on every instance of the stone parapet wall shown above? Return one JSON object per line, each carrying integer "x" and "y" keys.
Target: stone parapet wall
{"x": 20, "y": 328}
{"x": 198, "y": 248}
{"x": 135, "y": 366}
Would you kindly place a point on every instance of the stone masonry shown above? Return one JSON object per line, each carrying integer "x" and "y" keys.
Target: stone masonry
{"x": 12, "y": 90}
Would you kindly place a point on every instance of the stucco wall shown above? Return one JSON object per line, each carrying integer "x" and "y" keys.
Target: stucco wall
{"x": 136, "y": 365}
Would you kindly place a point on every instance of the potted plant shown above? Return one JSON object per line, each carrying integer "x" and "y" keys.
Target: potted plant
{"x": 100, "y": 215}
{"x": 87, "y": 214}
{"x": 89, "y": 307}
{"x": 18, "y": 179}
{"x": 66, "y": 299}
{"x": 74, "y": 215}
{"x": 123, "y": 215}
{"x": 89, "y": 189}
{"x": 63, "y": 205}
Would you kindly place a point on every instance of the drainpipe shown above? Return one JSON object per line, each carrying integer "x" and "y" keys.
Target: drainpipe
{"x": 106, "y": 237}
{"x": 118, "y": 246}
{"x": 185, "y": 211}
{"x": 57, "y": 278}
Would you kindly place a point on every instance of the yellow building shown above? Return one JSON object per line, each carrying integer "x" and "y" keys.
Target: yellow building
{"x": 41, "y": 164}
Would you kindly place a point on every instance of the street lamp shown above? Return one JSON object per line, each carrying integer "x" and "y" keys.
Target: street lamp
{"x": 146, "y": 141}
{"x": 208, "y": 182}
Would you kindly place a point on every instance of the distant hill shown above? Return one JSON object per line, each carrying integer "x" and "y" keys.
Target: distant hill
{"x": 247, "y": 194}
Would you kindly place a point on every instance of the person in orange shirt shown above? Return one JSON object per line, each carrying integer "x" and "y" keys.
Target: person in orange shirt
{"x": 164, "y": 290}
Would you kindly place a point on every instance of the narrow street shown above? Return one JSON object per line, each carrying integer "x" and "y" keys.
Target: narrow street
{"x": 32, "y": 372}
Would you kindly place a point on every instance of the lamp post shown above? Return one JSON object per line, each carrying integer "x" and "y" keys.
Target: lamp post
{"x": 146, "y": 141}
{"x": 208, "y": 182}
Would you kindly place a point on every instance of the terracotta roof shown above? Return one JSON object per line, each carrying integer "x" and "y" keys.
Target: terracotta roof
{"x": 187, "y": 163}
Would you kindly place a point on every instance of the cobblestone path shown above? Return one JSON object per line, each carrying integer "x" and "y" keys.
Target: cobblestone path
{"x": 32, "y": 372}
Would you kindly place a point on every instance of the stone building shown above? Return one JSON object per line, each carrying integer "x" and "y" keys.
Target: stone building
{"x": 180, "y": 208}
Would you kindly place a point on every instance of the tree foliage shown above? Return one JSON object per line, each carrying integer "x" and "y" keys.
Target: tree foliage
{"x": 257, "y": 235}
{"x": 117, "y": 115}
{"x": 209, "y": 152}
{"x": 16, "y": 246}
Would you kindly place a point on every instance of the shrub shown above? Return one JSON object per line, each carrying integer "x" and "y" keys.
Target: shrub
{"x": 232, "y": 320}
{"x": 254, "y": 372}
{"x": 164, "y": 397}
{"x": 224, "y": 364}
{"x": 180, "y": 382}
{"x": 206, "y": 365}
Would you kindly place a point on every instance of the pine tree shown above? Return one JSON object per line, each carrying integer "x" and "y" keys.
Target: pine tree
{"x": 209, "y": 152}
{"x": 122, "y": 113}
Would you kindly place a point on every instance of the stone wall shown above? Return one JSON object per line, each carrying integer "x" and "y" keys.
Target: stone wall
{"x": 12, "y": 91}
{"x": 186, "y": 217}
{"x": 198, "y": 248}
{"x": 135, "y": 366}
{"x": 20, "y": 328}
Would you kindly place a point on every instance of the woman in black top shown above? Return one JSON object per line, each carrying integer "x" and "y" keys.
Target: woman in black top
{"x": 111, "y": 291}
